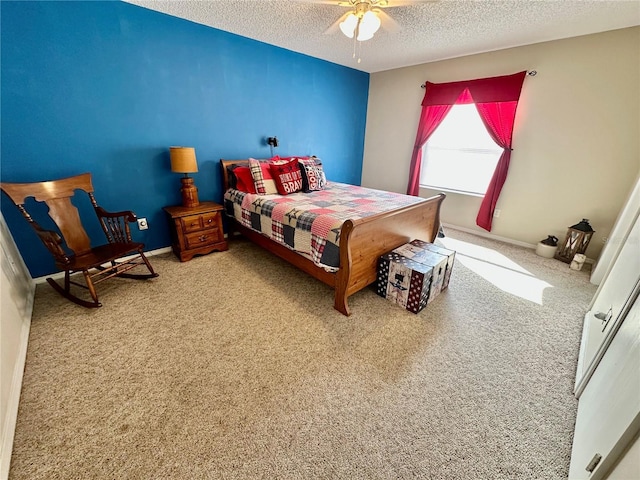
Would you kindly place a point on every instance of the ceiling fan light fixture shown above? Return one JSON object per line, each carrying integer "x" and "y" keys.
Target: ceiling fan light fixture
{"x": 348, "y": 25}
{"x": 369, "y": 25}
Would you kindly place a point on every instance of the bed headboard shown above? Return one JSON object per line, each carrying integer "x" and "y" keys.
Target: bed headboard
{"x": 225, "y": 173}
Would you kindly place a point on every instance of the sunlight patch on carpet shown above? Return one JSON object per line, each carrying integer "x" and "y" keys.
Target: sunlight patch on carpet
{"x": 498, "y": 269}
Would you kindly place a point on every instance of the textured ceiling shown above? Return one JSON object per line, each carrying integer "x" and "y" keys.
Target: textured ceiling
{"x": 427, "y": 31}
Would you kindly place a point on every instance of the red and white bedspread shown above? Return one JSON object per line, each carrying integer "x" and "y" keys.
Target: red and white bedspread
{"x": 310, "y": 223}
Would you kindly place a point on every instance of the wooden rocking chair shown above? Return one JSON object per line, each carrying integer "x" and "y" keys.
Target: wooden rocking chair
{"x": 97, "y": 263}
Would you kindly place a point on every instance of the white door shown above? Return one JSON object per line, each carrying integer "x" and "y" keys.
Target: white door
{"x": 618, "y": 234}
{"x": 608, "y": 306}
{"x": 609, "y": 409}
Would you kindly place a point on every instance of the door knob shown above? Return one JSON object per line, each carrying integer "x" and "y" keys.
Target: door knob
{"x": 604, "y": 317}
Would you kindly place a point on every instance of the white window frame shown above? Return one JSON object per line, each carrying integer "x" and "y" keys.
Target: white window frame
{"x": 447, "y": 140}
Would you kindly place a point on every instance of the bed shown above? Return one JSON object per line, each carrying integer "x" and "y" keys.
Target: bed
{"x": 360, "y": 240}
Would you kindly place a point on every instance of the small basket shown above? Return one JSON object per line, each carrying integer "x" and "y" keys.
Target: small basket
{"x": 547, "y": 248}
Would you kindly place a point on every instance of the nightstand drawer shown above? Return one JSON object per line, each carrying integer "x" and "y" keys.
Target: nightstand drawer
{"x": 192, "y": 223}
{"x": 205, "y": 237}
{"x": 210, "y": 219}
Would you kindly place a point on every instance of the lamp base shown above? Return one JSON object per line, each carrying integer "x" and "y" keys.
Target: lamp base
{"x": 189, "y": 193}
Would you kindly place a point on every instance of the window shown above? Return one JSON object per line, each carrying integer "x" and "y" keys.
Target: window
{"x": 460, "y": 156}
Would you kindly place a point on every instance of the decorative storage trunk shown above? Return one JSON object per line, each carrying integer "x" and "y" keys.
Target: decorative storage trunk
{"x": 404, "y": 281}
{"x": 438, "y": 262}
{"x": 414, "y": 274}
{"x": 450, "y": 254}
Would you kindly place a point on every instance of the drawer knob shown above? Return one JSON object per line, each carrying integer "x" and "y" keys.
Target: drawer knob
{"x": 210, "y": 220}
{"x": 202, "y": 238}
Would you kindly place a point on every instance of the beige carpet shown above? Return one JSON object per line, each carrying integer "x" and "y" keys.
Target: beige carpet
{"x": 235, "y": 365}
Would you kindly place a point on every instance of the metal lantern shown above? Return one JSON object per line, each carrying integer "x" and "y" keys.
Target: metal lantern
{"x": 576, "y": 241}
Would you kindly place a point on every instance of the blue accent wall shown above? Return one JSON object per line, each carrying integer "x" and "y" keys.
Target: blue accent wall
{"x": 107, "y": 87}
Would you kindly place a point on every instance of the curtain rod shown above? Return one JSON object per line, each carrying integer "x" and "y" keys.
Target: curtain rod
{"x": 531, "y": 73}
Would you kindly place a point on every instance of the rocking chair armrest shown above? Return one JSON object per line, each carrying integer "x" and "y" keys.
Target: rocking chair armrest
{"x": 116, "y": 224}
{"x": 47, "y": 234}
{"x": 128, "y": 215}
{"x": 53, "y": 241}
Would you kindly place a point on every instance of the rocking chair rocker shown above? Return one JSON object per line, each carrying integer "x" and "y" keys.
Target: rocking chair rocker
{"x": 97, "y": 263}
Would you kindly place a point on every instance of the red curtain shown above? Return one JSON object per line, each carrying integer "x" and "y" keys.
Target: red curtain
{"x": 430, "y": 118}
{"x": 498, "y": 117}
{"x": 496, "y": 99}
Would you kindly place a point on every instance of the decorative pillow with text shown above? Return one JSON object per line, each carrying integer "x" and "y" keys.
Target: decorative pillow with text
{"x": 287, "y": 176}
{"x": 313, "y": 177}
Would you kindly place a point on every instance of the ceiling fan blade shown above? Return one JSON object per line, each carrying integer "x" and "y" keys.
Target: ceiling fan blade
{"x": 335, "y": 26}
{"x": 378, "y": 3}
{"x": 402, "y": 3}
{"x": 337, "y": 3}
{"x": 388, "y": 23}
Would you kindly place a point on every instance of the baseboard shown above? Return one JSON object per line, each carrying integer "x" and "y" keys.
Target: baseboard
{"x": 489, "y": 235}
{"x": 60, "y": 275}
{"x": 11, "y": 414}
{"x": 158, "y": 251}
{"x": 498, "y": 238}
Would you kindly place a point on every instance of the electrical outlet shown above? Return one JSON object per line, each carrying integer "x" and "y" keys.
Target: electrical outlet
{"x": 142, "y": 224}
{"x": 496, "y": 213}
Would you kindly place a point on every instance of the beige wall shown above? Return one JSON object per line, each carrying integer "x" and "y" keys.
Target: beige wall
{"x": 576, "y": 140}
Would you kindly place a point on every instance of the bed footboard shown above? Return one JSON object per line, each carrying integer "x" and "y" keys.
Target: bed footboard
{"x": 363, "y": 241}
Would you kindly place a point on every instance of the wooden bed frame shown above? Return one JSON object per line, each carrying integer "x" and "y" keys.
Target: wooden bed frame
{"x": 362, "y": 242}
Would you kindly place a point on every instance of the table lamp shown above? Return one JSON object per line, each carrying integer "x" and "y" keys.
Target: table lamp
{"x": 183, "y": 160}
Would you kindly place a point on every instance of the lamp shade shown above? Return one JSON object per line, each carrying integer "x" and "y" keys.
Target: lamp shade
{"x": 183, "y": 159}
{"x": 348, "y": 26}
{"x": 363, "y": 24}
{"x": 369, "y": 25}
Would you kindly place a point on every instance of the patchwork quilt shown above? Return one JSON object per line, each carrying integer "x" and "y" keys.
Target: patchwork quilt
{"x": 310, "y": 223}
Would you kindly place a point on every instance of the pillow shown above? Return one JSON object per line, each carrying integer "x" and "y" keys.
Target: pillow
{"x": 287, "y": 176}
{"x": 313, "y": 178}
{"x": 262, "y": 179}
{"x": 290, "y": 158}
{"x": 232, "y": 181}
{"x": 241, "y": 179}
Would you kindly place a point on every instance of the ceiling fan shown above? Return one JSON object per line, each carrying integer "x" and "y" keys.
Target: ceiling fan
{"x": 365, "y": 17}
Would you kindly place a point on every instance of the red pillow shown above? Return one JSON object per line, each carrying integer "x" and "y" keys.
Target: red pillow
{"x": 244, "y": 180}
{"x": 287, "y": 177}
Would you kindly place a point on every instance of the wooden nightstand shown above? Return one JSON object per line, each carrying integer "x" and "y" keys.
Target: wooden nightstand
{"x": 196, "y": 230}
